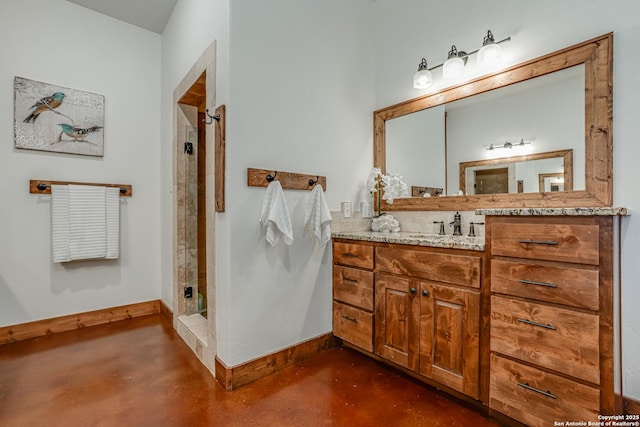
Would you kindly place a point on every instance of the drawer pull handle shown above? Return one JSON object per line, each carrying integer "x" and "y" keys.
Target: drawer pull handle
{"x": 349, "y": 279}
{"x": 540, "y": 242}
{"x": 350, "y": 319}
{"x": 412, "y": 290}
{"x": 532, "y": 282}
{"x": 349, "y": 254}
{"x": 537, "y": 390}
{"x": 541, "y": 325}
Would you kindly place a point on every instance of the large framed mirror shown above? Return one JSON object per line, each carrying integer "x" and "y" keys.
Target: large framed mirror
{"x": 588, "y": 134}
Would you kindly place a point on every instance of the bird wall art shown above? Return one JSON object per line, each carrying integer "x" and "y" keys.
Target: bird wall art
{"x": 76, "y": 133}
{"x": 55, "y": 118}
{"x": 48, "y": 103}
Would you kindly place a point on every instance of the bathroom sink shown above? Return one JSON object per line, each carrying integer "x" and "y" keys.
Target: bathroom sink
{"x": 445, "y": 237}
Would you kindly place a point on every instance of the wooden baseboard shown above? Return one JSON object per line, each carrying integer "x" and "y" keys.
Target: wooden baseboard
{"x": 40, "y": 328}
{"x": 232, "y": 378}
{"x": 631, "y": 406}
{"x": 166, "y": 313}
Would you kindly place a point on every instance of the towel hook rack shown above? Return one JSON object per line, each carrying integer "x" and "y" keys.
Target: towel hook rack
{"x": 43, "y": 187}
{"x": 272, "y": 177}
{"x": 288, "y": 180}
{"x": 211, "y": 118}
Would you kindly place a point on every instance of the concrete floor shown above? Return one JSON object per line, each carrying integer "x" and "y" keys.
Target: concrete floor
{"x": 140, "y": 373}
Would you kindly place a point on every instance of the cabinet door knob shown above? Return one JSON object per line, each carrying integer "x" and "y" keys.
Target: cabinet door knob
{"x": 425, "y": 293}
{"x": 412, "y": 290}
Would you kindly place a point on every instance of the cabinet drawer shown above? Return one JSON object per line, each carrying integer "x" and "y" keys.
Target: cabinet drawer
{"x": 446, "y": 268}
{"x": 553, "y": 242}
{"x": 353, "y": 286}
{"x": 353, "y": 254}
{"x": 554, "y": 338}
{"x": 577, "y": 287}
{"x": 353, "y": 325}
{"x": 539, "y": 398}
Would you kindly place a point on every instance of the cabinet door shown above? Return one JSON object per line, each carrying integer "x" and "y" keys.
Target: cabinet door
{"x": 396, "y": 320}
{"x": 449, "y": 336}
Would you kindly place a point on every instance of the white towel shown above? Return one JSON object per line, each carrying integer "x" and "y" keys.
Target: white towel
{"x": 275, "y": 216}
{"x": 85, "y": 222}
{"x": 317, "y": 220}
{"x": 60, "y": 223}
{"x": 112, "y": 203}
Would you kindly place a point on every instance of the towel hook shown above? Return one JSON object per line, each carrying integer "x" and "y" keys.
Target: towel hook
{"x": 313, "y": 182}
{"x": 272, "y": 177}
{"x": 211, "y": 118}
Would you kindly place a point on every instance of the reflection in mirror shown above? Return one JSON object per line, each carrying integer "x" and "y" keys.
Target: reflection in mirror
{"x": 528, "y": 110}
{"x": 547, "y": 110}
{"x": 417, "y": 147}
{"x": 551, "y": 182}
{"x": 522, "y": 174}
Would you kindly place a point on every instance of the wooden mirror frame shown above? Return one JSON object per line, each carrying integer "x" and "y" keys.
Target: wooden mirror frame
{"x": 567, "y": 160}
{"x": 597, "y": 56}
{"x": 543, "y": 176}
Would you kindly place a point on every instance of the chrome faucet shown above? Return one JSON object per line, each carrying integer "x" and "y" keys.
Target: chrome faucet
{"x": 472, "y": 230}
{"x": 457, "y": 225}
{"x": 441, "y": 231}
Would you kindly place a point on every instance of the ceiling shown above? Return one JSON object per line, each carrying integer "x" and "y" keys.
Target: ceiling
{"x": 151, "y": 15}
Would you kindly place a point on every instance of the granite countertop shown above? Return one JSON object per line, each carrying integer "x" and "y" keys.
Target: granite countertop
{"x": 599, "y": 211}
{"x": 413, "y": 238}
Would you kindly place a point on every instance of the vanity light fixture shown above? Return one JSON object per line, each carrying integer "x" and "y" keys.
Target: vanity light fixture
{"x": 454, "y": 65}
{"x": 423, "y": 78}
{"x": 488, "y": 55}
{"x": 508, "y": 144}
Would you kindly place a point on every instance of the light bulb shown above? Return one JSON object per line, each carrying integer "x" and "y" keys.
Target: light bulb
{"x": 454, "y": 65}
{"x": 491, "y": 53}
{"x": 453, "y": 68}
{"x": 422, "y": 79}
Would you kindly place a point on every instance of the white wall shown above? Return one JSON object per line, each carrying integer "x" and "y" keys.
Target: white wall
{"x": 194, "y": 25}
{"x": 421, "y": 29}
{"x": 301, "y": 100}
{"x": 57, "y": 42}
{"x": 415, "y": 147}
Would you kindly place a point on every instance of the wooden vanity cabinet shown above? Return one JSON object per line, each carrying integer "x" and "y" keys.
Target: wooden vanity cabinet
{"x": 427, "y": 313}
{"x": 418, "y": 308}
{"x": 449, "y": 336}
{"x": 353, "y": 293}
{"x": 551, "y": 321}
{"x": 396, "y": 320}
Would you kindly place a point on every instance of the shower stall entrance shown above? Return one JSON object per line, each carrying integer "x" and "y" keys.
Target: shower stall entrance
{"x": 194, "y": 250}
{"x": 195, "y": 220}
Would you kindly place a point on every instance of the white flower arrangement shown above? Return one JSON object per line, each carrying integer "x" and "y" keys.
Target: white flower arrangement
{"x": 385, "y": 224}
{"x": 391, "y": 183}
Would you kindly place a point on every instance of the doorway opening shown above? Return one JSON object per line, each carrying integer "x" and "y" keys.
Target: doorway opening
{"x": 193, "y": 106}
{"x": 194, "y": 214}
{"x": 492, "y": 181}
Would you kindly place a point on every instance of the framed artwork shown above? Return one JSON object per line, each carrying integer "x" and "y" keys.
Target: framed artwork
{"x": 55, "y": 118}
